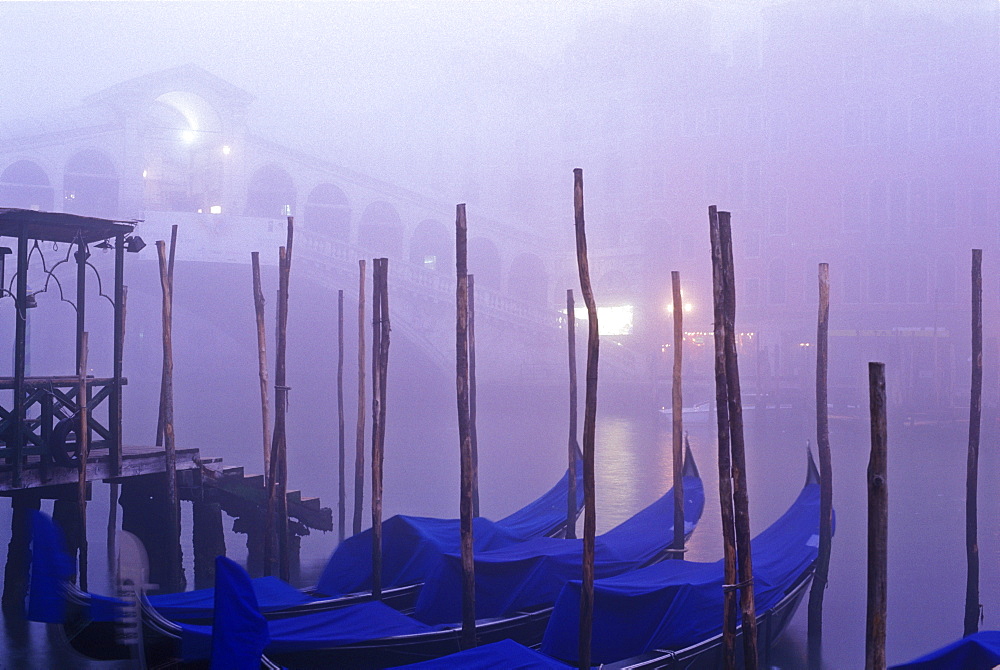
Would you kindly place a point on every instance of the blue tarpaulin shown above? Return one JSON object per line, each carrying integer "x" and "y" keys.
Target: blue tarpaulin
{"x": 530, "y": 574}
{"x": 239, "y": 630}
{"x": 979, "y": 651}
{"x": 675, "y": 604}
{"x": 50, "y": 567}
{"x": 412, "y": 546}
{"x": 274, "y": 593}
{"x": 503, "y": 655}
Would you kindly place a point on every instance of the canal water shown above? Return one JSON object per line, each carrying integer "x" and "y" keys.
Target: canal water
{"x": 522, "y": 450}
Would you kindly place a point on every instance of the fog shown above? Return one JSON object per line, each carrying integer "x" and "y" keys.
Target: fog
{"x": 860, "y": 134}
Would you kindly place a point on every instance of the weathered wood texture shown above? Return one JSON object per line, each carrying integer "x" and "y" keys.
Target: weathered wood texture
{"x": 820, "y": 577}
{"x": 464, "y": 428}
{"x": 878, "y": 521}
{"x": 972, "y": 606}
{"x": 265, "y": 403}
{"x": 473, "y": 437}
{"x": 380, "y": 360}
{"x": 163, "y": 376}
{"x": 359, "y": 447}
{"x": 724, "y": 460}
{"x": 741, "y": 495}
{"x": 173, "y": 529}
{"x": 589, "y": 424}
{"x": 574, "y": 445}
{"x": 341, "y": 455}
{"x": 82, "y": 442}
{"x": 677, "y": 408}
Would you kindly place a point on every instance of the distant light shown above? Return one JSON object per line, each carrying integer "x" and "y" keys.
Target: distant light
{"x": 188, "y": 136}
{"x": 226, "y": 150}
{"x": 201, "y": 211}
{"x": 430, "y": 262}
{"x": 688, "y": 307}
{"x": 803, "y": 344}
{"x": 215, "y": 209}
{"x": 145, "y": 173}
{"x": 610, "y": 320}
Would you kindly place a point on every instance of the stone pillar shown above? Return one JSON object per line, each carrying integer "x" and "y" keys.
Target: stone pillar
{"x": 144, "y": 514}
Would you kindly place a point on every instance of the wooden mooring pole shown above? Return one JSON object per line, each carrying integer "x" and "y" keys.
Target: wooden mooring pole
{"x": 341, "y": 455}
{"x": 741, "y": 495}
{"x": 677, "y": 408}
{"x": 973, "y": 608}
{"x": 574, "y": 446}
{"x": 163, "y": 377}
{"x": 380, "y": 363}
{"x": 878, "y": 521}
{"x": 473, "y": 437}
{"x": 265, "y": 411}
{"x": 821, "y": 574}
{"x": 359, "y": 449}
{"x": 173, "y": 532}
{"x": 83, "y": 444}
{"x": 725, "y": 465}
{"x": 464, "y": 429}
{"x": 589, "y": 425}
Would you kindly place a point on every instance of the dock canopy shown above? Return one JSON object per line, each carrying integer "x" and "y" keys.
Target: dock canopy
{"x": 60, "y": 227}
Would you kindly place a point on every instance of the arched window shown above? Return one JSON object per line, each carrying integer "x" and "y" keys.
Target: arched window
{"x": 270, "y": 193}
{"x": 90, "y": 185}
{"x": 379, "y": 230}
{"x": 528, "y": 280}
{"x": 431, "y": 247}
{"x": 327, "y": 211}
{"x": 484, "y": 263}
{"x": 26, "y": 186}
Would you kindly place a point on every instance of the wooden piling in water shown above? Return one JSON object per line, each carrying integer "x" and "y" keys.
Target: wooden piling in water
{"x": 208, "y": 540}
{"x": 83, "y": 447}
{"x": 265, "y": 411}
{"x": 464, "y": 428}
{"x": 380, "y": 362}
{"x": 878, "y": 521}
{"x": 359, "y": 450}
{"x": 16, "y": 570}
{"x": 741, "y": 495}
{"x": 341, "y": 456}
{"x": 677, "y": 408}
{"x": 473, "y": 437}
{"x": 163, "y": 376}
{"x": 589, "y": 424}
{"x": 574, "y": 446}
{"x": 820, "y": 576}
{"x": 725, "y": 466}
{"x": 167, "y": 414}
{"x": 972, "y": 605}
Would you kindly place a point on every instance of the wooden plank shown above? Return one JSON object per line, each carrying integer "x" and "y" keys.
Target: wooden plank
{"x": 136, "y": 461}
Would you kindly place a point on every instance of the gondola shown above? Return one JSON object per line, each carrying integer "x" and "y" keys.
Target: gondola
{"x": 411, "y": 544}
{"x": 668, "y": 616}
{"x": 372, "y": 634}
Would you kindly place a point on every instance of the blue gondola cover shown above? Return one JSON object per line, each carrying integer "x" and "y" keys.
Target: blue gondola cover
{"x": 503, "y": 655}
{"x": 979, "y": 651}
{"x": 50, "y": 567}
{"x": 239, "y": 630}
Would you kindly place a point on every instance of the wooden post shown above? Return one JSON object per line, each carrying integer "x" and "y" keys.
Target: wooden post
{"x": 20, "y": 342}
{"x": 359, "y": 450}
{"x": 118, "y": 349}
{"x": 878, "y": 521}
{"x": 741, "y": 505}
{"x": 725, "y": 464}
{"x": 209, "y": 540}
{"x": 173, "y": 530}
{"x": 380, "y": 353}
{"x": 163, "y": 380}
{"x": 83, "y": 445}
{"x": 265, "y": 412}
{"x": 464, "y": 428}
{"x": 677, "y": 403}
{"x": 17, "y": 568}
{"x": 277, "y": 511}
{"x": 972, "y": 606}
{"x": 589, "y": 423}
{"x": 574, "y": 446}
{"x": 341, "y": 456}
{"x": 472, "y": 397}
{"x": 825, "y": 468}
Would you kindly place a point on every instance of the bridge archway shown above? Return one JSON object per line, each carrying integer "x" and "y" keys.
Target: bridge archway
{"x": 379, "y": 230}
{"x": 270, "y": 193}
{"x": 328, "y": 212}
{"x": 90, "y": 184}
{"x": 528, "y": 280}
{"x": 431, "y": 246}
{"x": 24, "y": 184}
